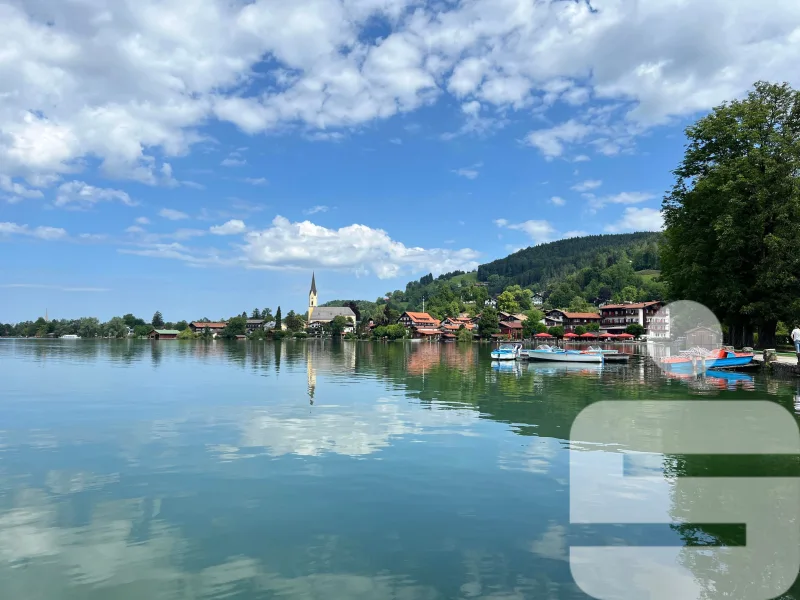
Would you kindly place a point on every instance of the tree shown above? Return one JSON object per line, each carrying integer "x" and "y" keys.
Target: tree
{"x": 556, "y": 332}
{"x": 256, "y": 314}
{"x": 580, "y": 330}
{"x": 187, "y": 334}
{"x": 530, "y": 326}
{"x": 115, "y": 328}
{"x": 390, "y": 315}
{"x": 732, "y": 216}
{"x": 181, "y": 325}
{"x": 266, "y": 314}
{"x": 522, "y": 296}
{"x": 158, "y": 320}
{"x": 293, "y": 322}
{"x": 142, "y": 330}
{"x": 489, "y": 322}
{"x": 579, "y": 304}
{"x": 244, "y": 314}
{"x": 635, "y": 329}
{"x": 354, "y": 307}
{"x": 464, "y": 335}
{"x": 132, "y": 321}
{"x": 235, "y": 326}
{"x": 89, "y": 327}
{"x": 506, "y": 302}
{"x": 278, "y": 320}
{"x": 337, "y": 326}
{"x": 593, "y": 327}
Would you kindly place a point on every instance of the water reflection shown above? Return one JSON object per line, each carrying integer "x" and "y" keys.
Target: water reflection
{"x": 301, "y": 469}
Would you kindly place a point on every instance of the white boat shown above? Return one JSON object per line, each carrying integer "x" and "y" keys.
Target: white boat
{"x": 507, "y": 352}
{"x": 596, "y": 349}
{"x": 546, "y": 353}
{"x": 70, "y": 336}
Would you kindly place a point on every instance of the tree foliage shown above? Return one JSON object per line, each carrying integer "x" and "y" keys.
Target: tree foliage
{"x": 732, "y": 217}
{"x": 489, "y": 323}
{"x": 337, "y": 325}
{"x": 278, "y": 320}
{"x": 235, "y": 326}
{"x": 635, "y": 329}
{"x": 293, "y": 322}
{"x": 158, "y": 320}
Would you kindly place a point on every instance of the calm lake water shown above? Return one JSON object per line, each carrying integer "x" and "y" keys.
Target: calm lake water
{"x": 316, "y": 470}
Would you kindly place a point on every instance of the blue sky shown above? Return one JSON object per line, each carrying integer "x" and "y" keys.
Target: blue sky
{"x": 202, "y": 158}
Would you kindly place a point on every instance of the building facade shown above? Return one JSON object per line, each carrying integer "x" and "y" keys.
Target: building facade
{"x": 617, "y": 317}
{"x": 569, "y": 320}
{"x": 164, "y": 334}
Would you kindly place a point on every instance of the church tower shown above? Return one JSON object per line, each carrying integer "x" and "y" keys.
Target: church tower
{"x": 312, "y": 296}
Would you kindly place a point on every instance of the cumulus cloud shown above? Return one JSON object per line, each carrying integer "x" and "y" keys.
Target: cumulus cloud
{"x": 82, "y": 195}
{"x": 42, "y": 233}
{"x": 638, "y": 219}
{"x": 119, "y": 83}
{"x": 232, "y": 227}
{"x": 172, "y": 214}
{"x": 538, "y": 231}
{"x": 142, "y": 220}
{"x": 355, "y": 248}
{"x": 588, "y": 185}
{"x": 558, "y": 201}
{"x": 17, "y": 190}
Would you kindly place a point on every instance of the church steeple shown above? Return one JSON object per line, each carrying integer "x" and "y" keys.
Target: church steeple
{"x": 312, "y": 296}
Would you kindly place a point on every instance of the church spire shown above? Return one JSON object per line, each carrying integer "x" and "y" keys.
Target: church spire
{"x": 313, "y": 284}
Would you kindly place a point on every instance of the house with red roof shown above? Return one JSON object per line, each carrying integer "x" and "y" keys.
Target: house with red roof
{"x": 616, "y": 317}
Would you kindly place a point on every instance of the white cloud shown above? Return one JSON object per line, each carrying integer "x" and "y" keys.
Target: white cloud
{"x": 355, "y": 248}
{"x": 17, "y": 189}
{"x": 172, "y": 214}
{"x": 255, "y": 180}
{"x": 128, "y": 82}
{"x": 142, "y": 220}
{"x": 469, "y": 172}
{"x": 233, "y": 162}
{"x": 638, "y": 219}
{"x": 551, "y": 141}
{"x": 581, "y": 158}
{"x": 315, "y": 209}
{"x": 558, "y": 201}
{"x": 585, "y": 186}
{"x": 42, "y": 233}
{"x": 83, "y": 195}
{"x": 396, "y": 141}
{"x": 135, "y": 229}
{"x": 621, "y": 198}
{"x": 538, "y": 231}
{"x": 232, "y": 227}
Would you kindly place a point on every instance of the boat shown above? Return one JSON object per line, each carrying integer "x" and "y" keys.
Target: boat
{"x": 546, "y": 353}
{"x": 507, "y": 352}
{"x": 602, "y": 350}
{"x": 697, "y": 359}
{"x": 70, "y": 336}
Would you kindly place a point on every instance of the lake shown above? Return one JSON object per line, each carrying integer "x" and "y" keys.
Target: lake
{"x": 322, "y": 470}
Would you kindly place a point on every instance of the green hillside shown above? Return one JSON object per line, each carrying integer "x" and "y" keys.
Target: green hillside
{"x": 539, "y": 265}
{"x": 571, "y": 273}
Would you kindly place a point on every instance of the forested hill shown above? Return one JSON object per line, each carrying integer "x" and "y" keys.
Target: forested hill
{"x": 573, "y": 273}
{"x": 539, "y": 265}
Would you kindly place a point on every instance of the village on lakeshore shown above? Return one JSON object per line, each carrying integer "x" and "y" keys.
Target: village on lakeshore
{"x": 493, "y": 320}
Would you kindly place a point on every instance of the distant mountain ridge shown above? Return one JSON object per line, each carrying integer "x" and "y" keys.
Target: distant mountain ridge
{"x": 541, "y": 264}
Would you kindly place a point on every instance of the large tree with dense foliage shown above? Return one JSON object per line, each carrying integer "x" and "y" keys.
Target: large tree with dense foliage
{"x": 489, "y": 322}
{"x": 732, "y": 238}
{"x": 235, "y": 326}
{"x": 158, "y": 320}
{"x": 293, "y": 322}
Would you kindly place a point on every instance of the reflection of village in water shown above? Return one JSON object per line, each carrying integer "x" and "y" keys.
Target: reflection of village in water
{"x": 164, "y": 452}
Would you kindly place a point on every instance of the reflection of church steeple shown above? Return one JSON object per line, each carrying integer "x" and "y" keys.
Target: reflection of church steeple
{"x": 311, "y": 373}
